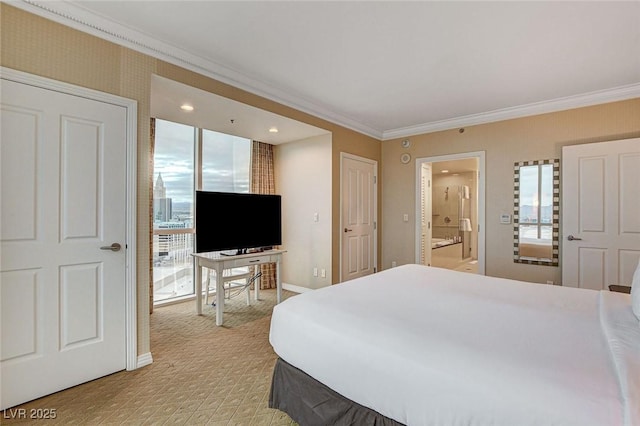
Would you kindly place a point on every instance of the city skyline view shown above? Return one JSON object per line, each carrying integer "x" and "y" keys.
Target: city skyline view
{"x": 225, "y": 168}
{"x": 225, "y": 160}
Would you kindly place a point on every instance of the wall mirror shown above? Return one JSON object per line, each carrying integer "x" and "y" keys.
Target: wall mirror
{"x": 536, "y": 215}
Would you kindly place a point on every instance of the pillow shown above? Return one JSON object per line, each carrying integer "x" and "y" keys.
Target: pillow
{"x": 635, "y": 292}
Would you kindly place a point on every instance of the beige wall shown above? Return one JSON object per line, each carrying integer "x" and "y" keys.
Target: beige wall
{"x": 35, "y": 45}
{"x": 303, "y": 178}
{"x": 505, "y": 142}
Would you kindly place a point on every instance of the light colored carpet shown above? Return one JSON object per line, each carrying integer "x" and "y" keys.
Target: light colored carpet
{"x": 201, "y": 374}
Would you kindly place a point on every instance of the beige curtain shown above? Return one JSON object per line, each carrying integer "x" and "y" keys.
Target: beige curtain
{"x": 152, "y": 145}
{"x": 263, "y": 182}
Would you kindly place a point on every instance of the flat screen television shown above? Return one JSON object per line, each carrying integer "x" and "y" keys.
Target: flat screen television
{"x": 233, "y": 223}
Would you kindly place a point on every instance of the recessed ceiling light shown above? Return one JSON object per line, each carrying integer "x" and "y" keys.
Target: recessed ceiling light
{"x": 186, "y": 107}
{"x": 273, "y": 130}
{"x": 444, "y": 171}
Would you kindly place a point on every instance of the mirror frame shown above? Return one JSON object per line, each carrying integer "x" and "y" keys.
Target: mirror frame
{"x": 555, "y": 241}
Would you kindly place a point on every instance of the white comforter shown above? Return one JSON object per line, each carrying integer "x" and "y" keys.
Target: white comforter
{"x": 429, "y": 346}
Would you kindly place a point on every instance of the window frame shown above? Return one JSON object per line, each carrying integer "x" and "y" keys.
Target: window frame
{"x": 197, "y": 177}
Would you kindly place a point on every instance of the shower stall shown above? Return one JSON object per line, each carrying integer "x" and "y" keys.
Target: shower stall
{"x": 451, "y": 211}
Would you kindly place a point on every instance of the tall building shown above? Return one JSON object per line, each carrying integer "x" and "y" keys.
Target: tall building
{"x": 176, "y": 246}
{"x": 161, "y": 204}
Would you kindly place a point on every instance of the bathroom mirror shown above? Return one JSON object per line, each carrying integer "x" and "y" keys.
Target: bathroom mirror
{"x": 536, "y": 212}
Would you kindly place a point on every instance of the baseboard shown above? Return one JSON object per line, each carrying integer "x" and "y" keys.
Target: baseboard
{"x": 144, "y": 359}
{"x": 295, "y": 288}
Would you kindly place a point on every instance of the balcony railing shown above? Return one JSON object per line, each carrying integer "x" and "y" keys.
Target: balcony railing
{"x": 172, "y": 263}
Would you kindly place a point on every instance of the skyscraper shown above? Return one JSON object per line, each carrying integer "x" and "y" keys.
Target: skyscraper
{"x": 161, "y": 204}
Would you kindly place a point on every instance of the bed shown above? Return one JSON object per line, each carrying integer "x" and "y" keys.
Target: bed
{"x": 420, "y": 345}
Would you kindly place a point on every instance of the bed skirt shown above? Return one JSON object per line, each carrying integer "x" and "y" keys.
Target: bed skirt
{"x": 308, "y": 402}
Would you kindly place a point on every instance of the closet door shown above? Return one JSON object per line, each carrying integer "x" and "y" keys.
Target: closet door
{"x": 62, "y": 283}
{"x": 358, "y": 217}
{"x": 601, "y": 213}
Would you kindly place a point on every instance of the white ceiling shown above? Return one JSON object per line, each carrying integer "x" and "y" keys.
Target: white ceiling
{"x": 388, "y": 69}
{"x": 224, "y": 115}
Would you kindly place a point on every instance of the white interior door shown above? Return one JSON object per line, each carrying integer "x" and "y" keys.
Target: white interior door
{"x": 63, "y": 181}
{"x": 358, "y": 217}
{"x": 601, "y": 213}
{"x": 425, "y": 215}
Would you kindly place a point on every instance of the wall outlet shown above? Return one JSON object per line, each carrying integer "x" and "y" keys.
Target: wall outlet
{"x": 549, "y": 282}
{"x": 315, "y": 272}
{"x": 394, "y": 264}
{"x": 323, "y": 273}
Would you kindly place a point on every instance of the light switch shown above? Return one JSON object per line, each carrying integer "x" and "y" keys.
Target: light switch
{"x": 316, "y": 217}
{"x": 405, "y": 217}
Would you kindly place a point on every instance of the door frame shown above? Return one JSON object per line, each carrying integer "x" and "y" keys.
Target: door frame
{"x": 374, "y": 163}
{"x": 131, "y": 108}
{"x": 429, "y": 200}
{"x": 481, "y": 226}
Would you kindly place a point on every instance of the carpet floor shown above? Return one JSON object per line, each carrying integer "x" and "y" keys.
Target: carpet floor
{"x": 201, "y": 374}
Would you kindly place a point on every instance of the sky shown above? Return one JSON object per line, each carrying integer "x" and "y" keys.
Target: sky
{"x": 529, "y": 185}
{"x": 225, "y": 161}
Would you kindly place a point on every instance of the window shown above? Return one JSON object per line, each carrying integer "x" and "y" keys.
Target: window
{"x": 224, "y": 167}
{"x": 225, "y": 162}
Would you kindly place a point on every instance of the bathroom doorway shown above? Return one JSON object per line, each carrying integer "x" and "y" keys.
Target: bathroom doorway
{"x": 450, "y": 204}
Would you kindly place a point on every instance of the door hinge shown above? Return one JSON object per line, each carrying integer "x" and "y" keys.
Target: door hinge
{"x": 375, "y": 179}
{"x": 375, "y": 269}
{"x": 375, "y": 225}
{"x": 428, "y": 225}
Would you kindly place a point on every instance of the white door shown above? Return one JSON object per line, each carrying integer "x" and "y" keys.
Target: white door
{"x": 600, "y": 213}
{"x": 358, "y": 217}
{"x": 62, "y": 296}
{"x": 425, "y": 214}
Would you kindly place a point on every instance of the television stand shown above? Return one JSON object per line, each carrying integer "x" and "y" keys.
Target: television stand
{"x": 244, "y": 251}
{"x": 232, "y": 252}
{"x": 220, "y": 262}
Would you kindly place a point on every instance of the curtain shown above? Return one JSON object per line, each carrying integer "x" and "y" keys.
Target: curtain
{"x": 263, "y": 182}
{"x": 152, "y": 144}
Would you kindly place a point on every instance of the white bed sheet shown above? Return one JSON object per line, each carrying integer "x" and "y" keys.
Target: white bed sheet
{"x": 429, "y": 346}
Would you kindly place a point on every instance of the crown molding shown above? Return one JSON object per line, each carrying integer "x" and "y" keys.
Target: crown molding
{"x": 560, "y": 104}
{"x": 76, "y": 17}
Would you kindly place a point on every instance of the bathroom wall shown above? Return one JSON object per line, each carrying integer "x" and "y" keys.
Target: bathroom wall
{"x": 446, "y": 199}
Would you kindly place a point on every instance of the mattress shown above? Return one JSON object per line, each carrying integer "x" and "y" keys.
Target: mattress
{"x": 429, "y": 346}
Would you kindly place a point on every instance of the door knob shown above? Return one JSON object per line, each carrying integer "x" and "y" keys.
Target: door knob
{"x": 572, "y": 238}
{"x": 112, "y": 247}
{"x": 347, "y": 230}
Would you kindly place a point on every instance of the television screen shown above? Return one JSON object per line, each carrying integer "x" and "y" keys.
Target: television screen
{"x": 233, "y": 221}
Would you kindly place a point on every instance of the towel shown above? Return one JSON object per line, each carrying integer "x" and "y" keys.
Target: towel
{"x": 465, "y": 192}
{"x": 465, "y": 225}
